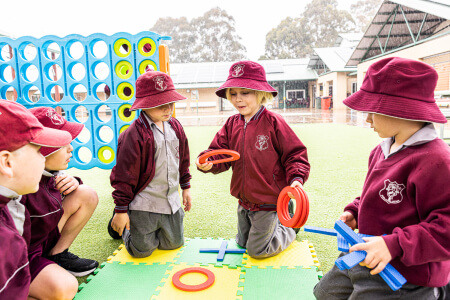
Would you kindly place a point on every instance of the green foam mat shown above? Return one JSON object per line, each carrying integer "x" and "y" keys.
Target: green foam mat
{"x": 283, "y": 283}
{"x": 123, "y": 281}
{"x": 191, "y": 252}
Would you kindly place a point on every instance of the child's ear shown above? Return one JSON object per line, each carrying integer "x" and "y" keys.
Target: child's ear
{"x": 6, "y": 163}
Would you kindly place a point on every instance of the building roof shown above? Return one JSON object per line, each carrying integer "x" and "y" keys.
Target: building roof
{"x": 331, "y": 59}
{"x": 213, "y": 74}
{"x": 399, "y": 23}
{"x": 348, "y": 39}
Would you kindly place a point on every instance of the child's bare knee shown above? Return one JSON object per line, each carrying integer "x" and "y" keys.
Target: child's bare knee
{"x": 65, "y": 288}
{"x": 88, "y": 195}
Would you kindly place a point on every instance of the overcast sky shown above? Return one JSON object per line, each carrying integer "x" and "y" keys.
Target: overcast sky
{"x": 42, "y": 17}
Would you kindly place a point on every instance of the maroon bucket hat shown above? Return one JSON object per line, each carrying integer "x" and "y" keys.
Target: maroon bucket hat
{"x": 153, "y": 89}
{"x": 19, "y": 127}
{"x": 401, "y": 88}
{"x": 51, "y": 119}
{"x": 247, "y": 75}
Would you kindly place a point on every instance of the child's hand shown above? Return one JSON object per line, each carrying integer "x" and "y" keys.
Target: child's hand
{"x": 204, "y": 167}
{"x": 348, "y": 219}
{"x": 186, "y": 194}
{"x": 378, "y": 255}
{"x": 66, "y": 184}
{"x": 294, "y": 184}
{"x": 119, "y": 222}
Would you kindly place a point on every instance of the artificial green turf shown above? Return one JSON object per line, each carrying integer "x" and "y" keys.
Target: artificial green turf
{"x": 338, "y": 155}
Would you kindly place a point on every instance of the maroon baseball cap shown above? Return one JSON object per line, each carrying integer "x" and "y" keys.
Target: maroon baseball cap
{"x": 51, "y": 119}
{"x": 247, "y": 75}
{"x": 401, "y": 88}
{"x": 153, "y": 89}
{"x": 18, "y": 127}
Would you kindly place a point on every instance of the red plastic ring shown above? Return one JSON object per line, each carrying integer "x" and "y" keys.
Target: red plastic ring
{"x": 193, "y": 288}
{"x": 234, "y": 156}
{"x": 301, "y": 211}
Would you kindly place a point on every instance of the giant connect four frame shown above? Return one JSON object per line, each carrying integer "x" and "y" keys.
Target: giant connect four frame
{"x": 90, "y": 80}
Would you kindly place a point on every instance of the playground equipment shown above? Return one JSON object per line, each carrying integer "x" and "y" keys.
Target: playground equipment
{"x": 233, "y": 156}
{"x": 301, "y": 209}
{"x": 89, "y": 80}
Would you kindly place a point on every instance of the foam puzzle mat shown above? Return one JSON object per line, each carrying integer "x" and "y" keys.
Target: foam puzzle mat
{"x": 288, "y": 275}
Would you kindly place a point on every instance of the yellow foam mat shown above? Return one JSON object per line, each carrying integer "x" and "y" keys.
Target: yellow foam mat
{"x": 224, "y": 287}
{"x": 158, "y": 256}
{"x": 297, "y": 254}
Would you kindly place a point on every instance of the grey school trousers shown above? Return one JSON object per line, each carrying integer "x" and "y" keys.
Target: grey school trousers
{"x": 262, "y": 233}
{"x": 358, "y": 283}
{"x": 149, "y": 231}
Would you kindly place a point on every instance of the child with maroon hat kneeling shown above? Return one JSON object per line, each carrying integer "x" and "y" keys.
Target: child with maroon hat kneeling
{"x": 152, "y": 161}
{"x": 271, "y": 157}
{"x": 21, "y": 166}
{"x": 58, "y": 212}
{"x": 405, "y": 202}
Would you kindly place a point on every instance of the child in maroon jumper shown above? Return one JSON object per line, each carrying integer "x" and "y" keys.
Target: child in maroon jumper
{"x": 58, "y": 212}
{"x": 271, "y": 157}
{"x": 21, "y": 166}
{"x": 405, "y": 202}
{"x": 152, "y": 161}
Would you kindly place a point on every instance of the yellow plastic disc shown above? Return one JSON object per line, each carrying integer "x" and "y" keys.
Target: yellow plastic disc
{"x": 123, "y": 128}
{"x": 124, "y": 69}
{"x": 125, "y": 91}
{"x": 101, "y": 154}
{"x": 144, "y": 65}
{"x": 142, "y": 43}
{"x": 122, "y": 115}
{"x": 118, "y": 44}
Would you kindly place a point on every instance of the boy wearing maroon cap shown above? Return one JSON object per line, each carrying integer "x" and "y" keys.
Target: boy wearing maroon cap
{"x": 58, "y": 212}
{"x": 271, "y": 157}
{"x": 21, "y": 165}
{"x": 152, "y": 161}
{"x": 405, "y": 202}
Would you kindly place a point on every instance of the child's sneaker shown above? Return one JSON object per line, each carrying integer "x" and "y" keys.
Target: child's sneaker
{"x": 112, "y": 233}
{"x": 291, "y": 214}
{"x": 73, "y": 264}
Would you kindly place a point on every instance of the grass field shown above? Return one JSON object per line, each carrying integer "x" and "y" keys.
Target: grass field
{"x": 338, "y": 155}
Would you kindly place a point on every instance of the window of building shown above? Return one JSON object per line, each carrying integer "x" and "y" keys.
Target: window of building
{"x": 330, "y": 90}
{"x": 354, "y": 87}
{"x": 295, "y": 94}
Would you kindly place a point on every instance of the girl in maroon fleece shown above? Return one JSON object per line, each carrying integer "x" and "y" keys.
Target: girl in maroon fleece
{"x": 58, "y": 212}
{"x": 405, "y": 201}
{"x": 271, "y": 157}
{"x": 21, "y": 166}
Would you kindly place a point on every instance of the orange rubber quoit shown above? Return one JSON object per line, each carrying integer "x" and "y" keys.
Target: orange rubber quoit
{"x": 234, "y": 155}
{"x": 301, "y": 210}
{"x": 193, "y": 288}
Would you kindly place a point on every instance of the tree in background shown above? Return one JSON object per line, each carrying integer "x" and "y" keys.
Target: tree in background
{"x": 318, "y": 26}
{"x": 363, "y": 12}
{"x": 211, "y": 37}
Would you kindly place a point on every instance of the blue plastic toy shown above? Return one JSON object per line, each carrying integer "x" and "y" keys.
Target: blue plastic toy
{"x": 320, "y": 230}
{"x": 390, "y": 275}
{"x": 90, "y": 80}
{"x": 222, "y": 251}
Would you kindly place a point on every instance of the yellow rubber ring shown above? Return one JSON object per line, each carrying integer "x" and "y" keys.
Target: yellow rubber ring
{"x": 119, "y": 44}
{"x": 124, "y": 69}
{"x": 101, "y": 155}
{"x": 122, "y": 116}
{"x": 120, "y": 91}
{"x": 146, "y": 41}
{"x": 144, "y": 65}
{"x": 123, "y": 128}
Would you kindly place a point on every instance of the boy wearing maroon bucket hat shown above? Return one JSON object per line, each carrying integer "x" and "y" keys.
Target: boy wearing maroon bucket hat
{"x": 21, "y": 166}
{"x": 271, "y": 157}
{"x": 152, "y": 161}
{"x": 58, "y": 212}
{"x": 405, "y": 202}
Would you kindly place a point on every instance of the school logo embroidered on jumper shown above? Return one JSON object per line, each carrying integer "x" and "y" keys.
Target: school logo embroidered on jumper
{"x": 54, "y": 117}
{"x": 238, "y": 70}
{"x": 261, "y": 142}
{"x": 160, "y": 85}
{"x": 392, "y": 192}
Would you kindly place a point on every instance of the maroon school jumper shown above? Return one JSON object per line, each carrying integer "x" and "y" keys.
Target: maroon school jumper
{"x": 135, "y": 166}
{"x": 14, "y": 270}
{"x": 272, "y": 157}
{"x": 407, "y": 197}
{"x": 45, "y": 209}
